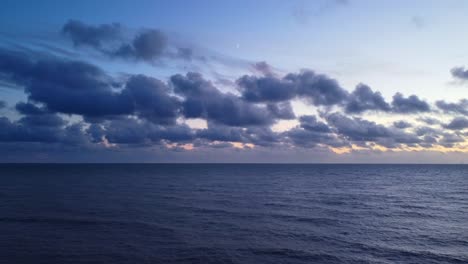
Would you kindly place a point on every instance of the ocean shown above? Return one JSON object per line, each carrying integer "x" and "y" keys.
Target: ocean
{"x": 233, "y": 213}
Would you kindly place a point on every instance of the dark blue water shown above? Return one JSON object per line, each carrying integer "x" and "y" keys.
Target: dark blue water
{"x": 233, "y": 214}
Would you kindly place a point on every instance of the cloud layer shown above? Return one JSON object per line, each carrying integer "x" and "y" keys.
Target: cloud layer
{"x": 75, "y": 103}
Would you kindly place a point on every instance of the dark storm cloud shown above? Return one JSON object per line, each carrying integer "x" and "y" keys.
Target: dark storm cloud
{"x": 363, "y": 99}
{"x": 411, "y": 104}
{"x": 204, "y": 100}
{"x": 458, "y": 123}
{"x": 461, "y": 107}
{"x": 83, "y": 34}
{"x": 318, "y": 89}
{"x": 459, "y": 73}
{"x": 402, "y": 124}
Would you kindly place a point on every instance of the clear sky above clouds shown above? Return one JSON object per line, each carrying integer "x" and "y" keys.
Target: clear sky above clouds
{"x": 291, "y": 51}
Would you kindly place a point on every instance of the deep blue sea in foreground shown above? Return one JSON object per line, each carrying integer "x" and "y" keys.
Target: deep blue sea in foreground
{"x": 234, "y": 213}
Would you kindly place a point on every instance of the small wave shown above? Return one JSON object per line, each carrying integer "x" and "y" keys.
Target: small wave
{"x": 312, "y": 220}
{"x": 295, "y": 254}
{"x": 82, "y": 222}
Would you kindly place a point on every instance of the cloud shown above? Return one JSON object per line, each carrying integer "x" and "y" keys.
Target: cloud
{"x": 310, "y": 123}
{"x": 263, "y": 68}
{"x": 458, "y": 123}
{"x": 401, "y": 124}
{"x": 364, "y": 99}
{"x": 3, "y": 104}
{"x": 204, "y": 100}
{"x": 449, "y": 140}
{"x": 425, "y": 130}
{"x": 459, "y": 73}
{"x": 281, "y": 110}
{"x": 74, "y": 87}
{"x": 30, "y": 109}
{"x": 310, "y": 139}
{"x": 63, "y": 86}
{"x": 132, "y": 131}
{"x": 115, "y": 41}
{"x": 418, "y": 22}
{"x": 429, "y": 120}
{"x": 41, "y": 127}
{"x": 318, "y": 89}
{"x": 142, "y": 111}
{"x": 151, "y": 100}
{"x": 266, "y": 89}
{"x": 83, "y": 34}
{"x": 38, "y": 125}
{"x": 312, "y": 132}
{"x": 411, "y": 104}
{"x": 358, "y": 129}
{"x": 147, "y": 45}
{"x": 17, "y": 132}
{"x": 222, "y": 133}
{"x": 126, "y": 131}
{"x": 460, "y": 108}
{"x": 14, "y": 66}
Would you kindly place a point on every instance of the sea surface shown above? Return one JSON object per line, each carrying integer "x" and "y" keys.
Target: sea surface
{"x": 237, "y": 213}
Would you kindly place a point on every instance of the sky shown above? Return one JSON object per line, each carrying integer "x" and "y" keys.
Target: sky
{"x": 325, "y": 81}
